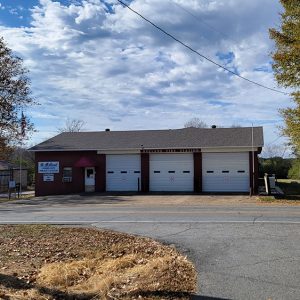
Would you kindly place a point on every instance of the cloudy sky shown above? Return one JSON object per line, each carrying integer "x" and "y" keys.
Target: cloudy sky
{"x": 97, "y": 61}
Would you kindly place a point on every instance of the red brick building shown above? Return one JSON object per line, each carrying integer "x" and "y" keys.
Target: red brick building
{"x": 177, "y": 160}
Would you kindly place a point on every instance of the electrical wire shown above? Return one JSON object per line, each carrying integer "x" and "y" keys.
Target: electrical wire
{"x": 275, "y": 140}
{"x": 198, "y": 53}
{"x": 200, "y": 20}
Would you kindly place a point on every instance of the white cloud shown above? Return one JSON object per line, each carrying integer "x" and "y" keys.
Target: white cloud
{"x": 115, "y": 70}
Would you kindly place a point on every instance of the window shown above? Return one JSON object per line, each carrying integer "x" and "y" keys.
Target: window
{"x": 90, "y": 173}
{"x": 110, "y": 172}
{"x": 156, "y": 172}
{"x": 185, "y": 171}
{"x": 137, "y": 172}
{"x": 225, "y": 171}
{"x": 123, "y": 172}
{"x": 67, "y": 174}
{"x": 241, "y": 171}
{"x": 171, "y": 172}
{"x": 209, "y": 171}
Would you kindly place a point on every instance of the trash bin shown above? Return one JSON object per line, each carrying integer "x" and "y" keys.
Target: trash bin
{"x": 272, "y": 181}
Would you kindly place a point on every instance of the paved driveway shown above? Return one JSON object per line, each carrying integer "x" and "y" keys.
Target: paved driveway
{"x": 241, "y": 250}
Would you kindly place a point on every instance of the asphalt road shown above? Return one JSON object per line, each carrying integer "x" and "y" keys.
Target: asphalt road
{"x": 240, "y": 251}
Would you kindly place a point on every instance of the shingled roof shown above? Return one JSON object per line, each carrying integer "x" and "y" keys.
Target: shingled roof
{"x": 154, "y": 139}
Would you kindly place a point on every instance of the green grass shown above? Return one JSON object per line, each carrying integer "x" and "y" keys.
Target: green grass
{"x": 267, "y": 198}
{"x": 288, "y": 180}
{"x": 291, "y": 188}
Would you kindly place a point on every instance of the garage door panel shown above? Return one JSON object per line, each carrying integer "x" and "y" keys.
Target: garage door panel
{"x": 225, "y": 172}
{"x": 223, "y": 184}
{"x": 123, "y": 172}
{"x": 171, "y": 172}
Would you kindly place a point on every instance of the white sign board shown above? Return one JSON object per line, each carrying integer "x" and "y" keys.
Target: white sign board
{"x": 12, "y": 184}
{"x": 47, "y": 167}
{"x": 48, "y": 177}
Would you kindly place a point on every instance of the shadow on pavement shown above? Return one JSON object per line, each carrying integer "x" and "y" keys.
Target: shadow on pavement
{"x": 90, "y": 198}
{"x": 109, "y": 198}
{"x": 199, "y": 297}
{"x": 76, "y": 199}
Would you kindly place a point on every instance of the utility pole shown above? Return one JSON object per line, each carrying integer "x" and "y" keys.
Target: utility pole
{"x": 253, "y": 164}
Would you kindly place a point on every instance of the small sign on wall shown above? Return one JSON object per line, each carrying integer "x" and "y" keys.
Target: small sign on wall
{"x": 12, "y": 184}
{"x": 48, "y": 177}
{"x": 48, "y": 167}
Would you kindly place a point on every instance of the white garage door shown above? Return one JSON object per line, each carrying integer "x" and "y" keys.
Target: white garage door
{"x": 123, "y": 172}
{"x": 171, "y": 172}
{"x": 225, "y": 172}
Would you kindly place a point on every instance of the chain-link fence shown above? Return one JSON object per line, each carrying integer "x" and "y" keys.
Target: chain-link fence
{"x": 5, "y": 177}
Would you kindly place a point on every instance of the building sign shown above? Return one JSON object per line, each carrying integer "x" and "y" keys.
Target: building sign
{"x": 48, "y": 167}
{"x": 11, "y": 184}
{"x": 48, "y": 177}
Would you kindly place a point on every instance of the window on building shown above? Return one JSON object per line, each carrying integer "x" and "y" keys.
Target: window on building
{"x": 67, "y": 174}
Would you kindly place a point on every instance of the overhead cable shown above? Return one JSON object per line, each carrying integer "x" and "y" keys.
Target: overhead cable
{"x": 199, "y": 54}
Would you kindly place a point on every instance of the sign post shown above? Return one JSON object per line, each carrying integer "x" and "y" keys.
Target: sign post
{"x": 20, "y": 175}
{"x": 11, "y": 186}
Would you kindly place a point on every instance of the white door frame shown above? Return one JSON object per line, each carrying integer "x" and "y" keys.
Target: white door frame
{"x": 89, "y": 179}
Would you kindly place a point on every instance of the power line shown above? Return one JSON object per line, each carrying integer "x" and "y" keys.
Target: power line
{"x": 197, "y": 18}
{"x": 200, "y": 20}
{"x": 198, "y": 53}
{"x": 275, "y": 140}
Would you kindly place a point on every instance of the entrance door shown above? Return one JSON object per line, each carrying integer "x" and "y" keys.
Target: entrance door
{"x": 90, "y": 179}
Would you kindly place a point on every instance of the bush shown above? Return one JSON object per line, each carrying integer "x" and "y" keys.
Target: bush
{"x": 275, "y": 165}
{"x": 294, "y": 171}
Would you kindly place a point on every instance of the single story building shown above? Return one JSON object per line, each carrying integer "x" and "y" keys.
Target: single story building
{"x": 175, "y": 160}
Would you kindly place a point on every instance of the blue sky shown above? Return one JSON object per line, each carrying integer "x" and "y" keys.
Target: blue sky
{"x": 96, "y": 61}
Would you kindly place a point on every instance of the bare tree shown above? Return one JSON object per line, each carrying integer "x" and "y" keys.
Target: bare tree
{"x": 195, "y": 122}
{"x": 72, "y": 125}
{"x": 274, "y": 150}
{"x": 235, "y": 125}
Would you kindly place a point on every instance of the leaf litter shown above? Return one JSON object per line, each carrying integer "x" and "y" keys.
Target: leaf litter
{"x": 50, "y": 262}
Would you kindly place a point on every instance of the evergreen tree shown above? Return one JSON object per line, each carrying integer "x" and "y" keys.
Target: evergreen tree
{"x": 286, "y": 66}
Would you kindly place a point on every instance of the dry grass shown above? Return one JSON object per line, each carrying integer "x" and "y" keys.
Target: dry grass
{"x": 127, "y": 276}
{"x": 89, "y": 264}
{"x": 15, "y": 198}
